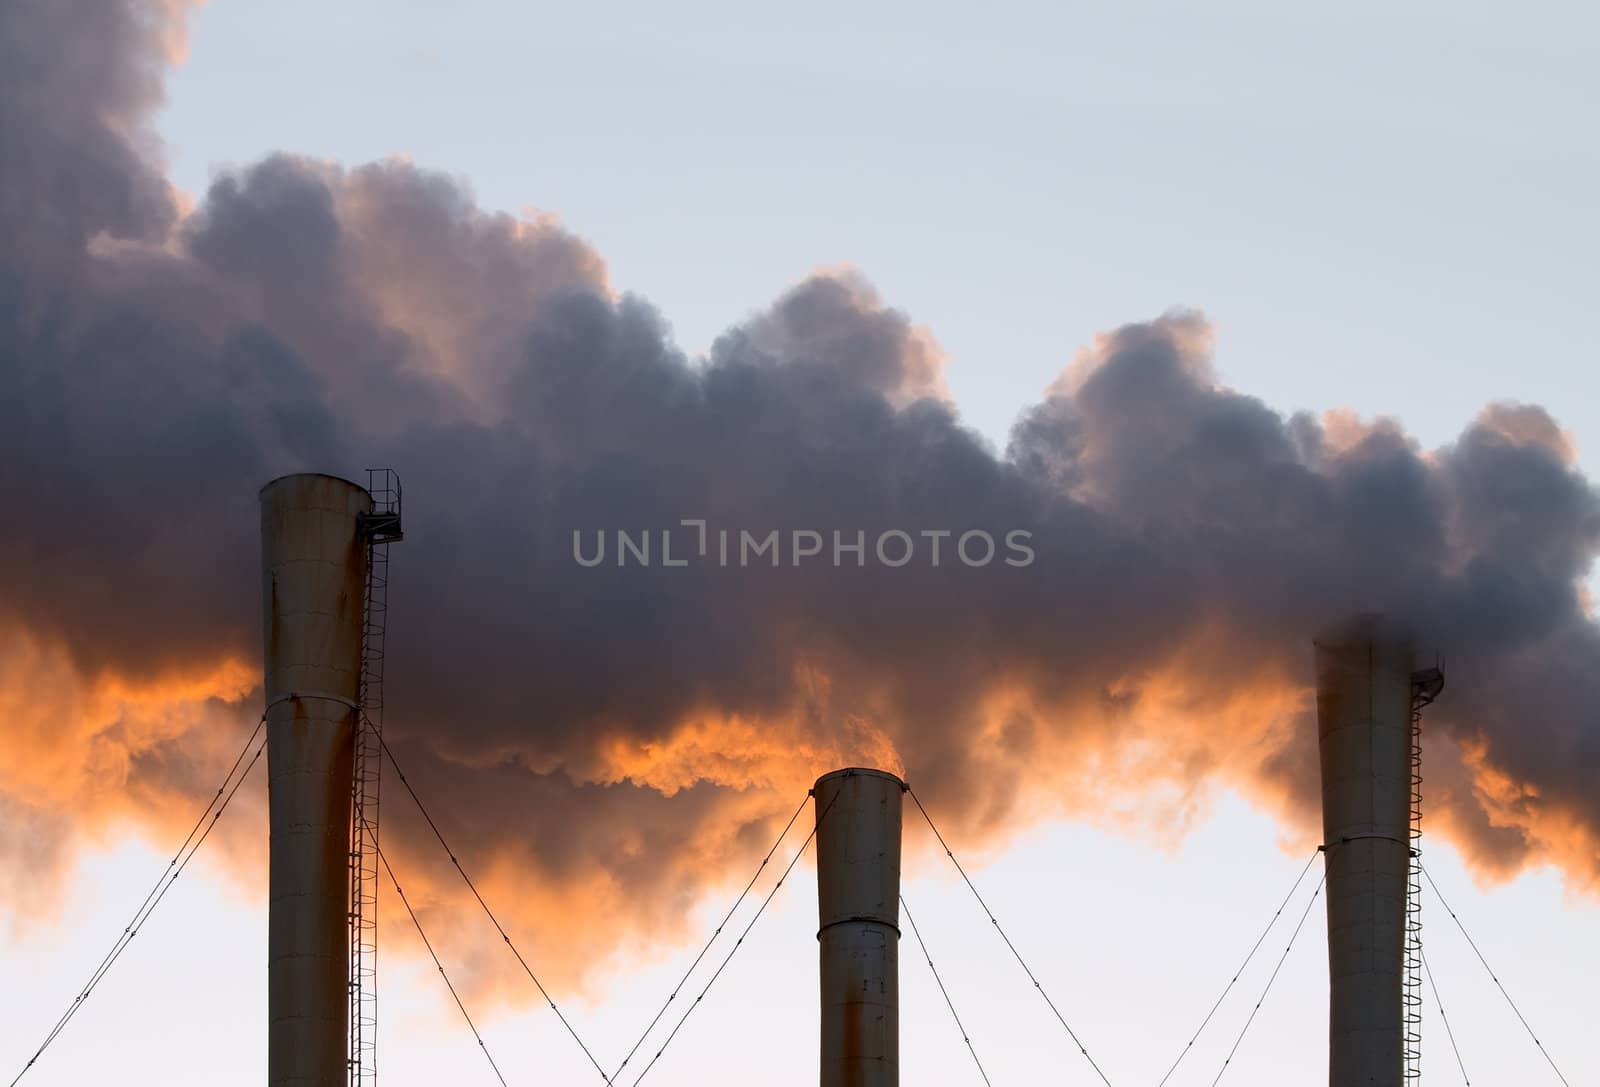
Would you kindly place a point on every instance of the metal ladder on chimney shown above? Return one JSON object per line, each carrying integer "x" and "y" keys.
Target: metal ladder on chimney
{"x": 1425, "y": 687}
{"x": 379, "y": 529}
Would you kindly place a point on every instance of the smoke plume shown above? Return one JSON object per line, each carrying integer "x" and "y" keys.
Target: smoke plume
{"x": 605, "y": 744}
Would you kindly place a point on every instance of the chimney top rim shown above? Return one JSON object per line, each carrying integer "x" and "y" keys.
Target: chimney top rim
{"x": 866, "y": 771}
{"x": 310, "y": 475}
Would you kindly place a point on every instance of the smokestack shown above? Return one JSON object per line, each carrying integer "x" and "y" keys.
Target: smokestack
{"x": 1364, "y": 736}
{"x": 858, "y": 911}
{"x": 314, "y": 569}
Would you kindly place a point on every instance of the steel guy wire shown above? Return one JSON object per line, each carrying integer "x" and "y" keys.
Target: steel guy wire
{"x": 965, "y": 1037}
{"x": 1242, "y": 966}
{"x": 490, "y": 913}
{"x": 762, "y": 867}
{"x": 439, "y": 965}
{"x": 1438, "y": 1003}
{"x": 1263, "y": 999}
{"x": 1492, "y": 977}
{"x": 180, "y": 860}
{"x": 739, "y": 942}
{"x": 1015, "y": 953}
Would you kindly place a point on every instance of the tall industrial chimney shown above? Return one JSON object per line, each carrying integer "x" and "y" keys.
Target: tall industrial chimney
{"x": 314, "y": 569}
{"x": 858, "y": 911}
{"x": 1364, "y": 684}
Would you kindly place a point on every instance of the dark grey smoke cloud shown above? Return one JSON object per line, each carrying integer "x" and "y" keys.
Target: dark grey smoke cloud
{"x": 617, "y": 736}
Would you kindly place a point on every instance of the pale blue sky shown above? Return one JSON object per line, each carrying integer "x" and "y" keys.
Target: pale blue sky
{"x": 1386, "y": 211}
{"x": 1391, "y": 212}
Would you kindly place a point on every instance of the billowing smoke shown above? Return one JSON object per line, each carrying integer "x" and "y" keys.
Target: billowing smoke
{"x": 607, "y": 743}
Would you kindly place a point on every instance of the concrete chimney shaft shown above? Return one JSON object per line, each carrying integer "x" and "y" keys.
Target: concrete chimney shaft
{"x": 314, "y": 569}
{"x": 858, "y": 911}
{"x": 1364, "y": 735}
